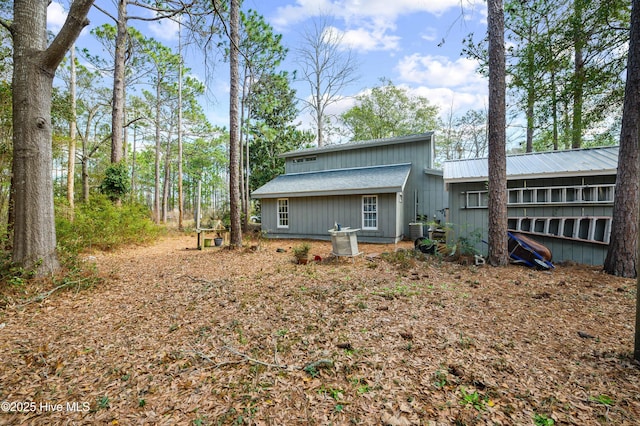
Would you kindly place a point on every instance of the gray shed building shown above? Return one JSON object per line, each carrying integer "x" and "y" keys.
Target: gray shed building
{"x": 377, "y": 186}
{"x": 562, "y": 199}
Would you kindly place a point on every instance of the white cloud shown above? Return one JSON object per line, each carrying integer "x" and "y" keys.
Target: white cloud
{"x": 353, "y": 10}
{"x": 452, "y": 85}
{"x": 429, "y": 34}
{"x": 393, "y": 9}
{"x": 56, "y": 15}
{"x": 439, "y": 71}
{"x": 362, "y": 39}
{"x": 369, "y": 24}
{"x": 300, "y": 11}
{"x": 164, "y": 29}
{"x": 450, "y": 101}
{"x": 341, "y": 106}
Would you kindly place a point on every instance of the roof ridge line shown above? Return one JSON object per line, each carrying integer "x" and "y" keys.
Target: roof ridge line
{"x": 346, "y": 169}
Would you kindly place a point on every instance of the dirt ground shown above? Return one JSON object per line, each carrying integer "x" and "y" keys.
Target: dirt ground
{"x": 175, "y": 335}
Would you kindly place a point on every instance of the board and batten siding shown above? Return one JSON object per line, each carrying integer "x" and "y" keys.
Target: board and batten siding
{"x": 418, "y": 153}
{"x": 312, "y": 217}
{"x": 432, "y": 197}
{"x": 424, "y": 193}
{"x": 469, "y": 220}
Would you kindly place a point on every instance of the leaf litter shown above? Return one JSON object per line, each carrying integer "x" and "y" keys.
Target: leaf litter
{"x": 179, "y": 336}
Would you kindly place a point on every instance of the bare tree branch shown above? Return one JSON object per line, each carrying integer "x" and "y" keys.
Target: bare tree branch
{"x": 328, "y": 67}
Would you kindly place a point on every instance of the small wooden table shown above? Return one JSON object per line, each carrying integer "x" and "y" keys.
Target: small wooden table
{"x": 218, "y": 230}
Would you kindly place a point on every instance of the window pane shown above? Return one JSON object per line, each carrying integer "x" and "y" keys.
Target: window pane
{"x": 283, "y": 213}
{"x": 369, "y": 212}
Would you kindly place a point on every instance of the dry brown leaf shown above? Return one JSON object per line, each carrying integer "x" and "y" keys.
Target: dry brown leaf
{"x": 409, "y": 341}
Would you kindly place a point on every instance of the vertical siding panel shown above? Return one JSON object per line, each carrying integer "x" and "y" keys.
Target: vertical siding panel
{"x": 562, "y": 249}
{"x": 310, "y": 217}
{"x": 323, "y": 214}
{"x": 268, "y": 222}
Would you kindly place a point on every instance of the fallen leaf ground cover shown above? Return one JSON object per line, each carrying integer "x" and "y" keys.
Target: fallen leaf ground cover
{"x": 174, "y": 335}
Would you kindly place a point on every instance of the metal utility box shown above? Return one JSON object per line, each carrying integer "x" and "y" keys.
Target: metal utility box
{"x": 416, "y": 231}
{"x": 344, "y": 242}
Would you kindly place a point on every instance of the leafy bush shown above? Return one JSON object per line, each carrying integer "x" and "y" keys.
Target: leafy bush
{"x": 97, "y": 224}
{"x": 402, "y": 259}
{"x": 301, "y": 250}
{"x": 116, "y": 181}
{"x": 102, "y": 225}
{"x": 469, "y": 245}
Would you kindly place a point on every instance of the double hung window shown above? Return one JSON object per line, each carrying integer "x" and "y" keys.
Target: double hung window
{"x": 283, "y": 212}
{"x": 370, "y": 212}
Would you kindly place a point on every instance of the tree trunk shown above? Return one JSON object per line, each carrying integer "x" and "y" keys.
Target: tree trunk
{"x": 244, "y": 153}
{"x": 498, "y": 251}
{"x": 623, "y": 244}
{"x": 319, "y": 111}
{"x": 247, "y": 210}
{"x": 630, "y": 136}
{"x": 554, "y": 111}
{"x": 85, "y": 179}
{"x": 133, "y": 164}
{"x": 180, "y": 190}
{"x": 578, "y": 77}
{"x": 167, "y": 180}
{"x": 234, "y": 140}
{"x": 117, "y": 112}
{"x": 156, "y": 187}
{"x": 530, "y": 120}
{"x": 531, "y": 95}
{"x": 34, "y": 243}
{"x": 71, "y": 159}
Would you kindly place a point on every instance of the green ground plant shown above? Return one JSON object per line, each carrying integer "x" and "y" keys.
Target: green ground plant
{"x": 102, "y": 225}
{"x": 335, "y": 393}
{"x": 602, "y": 399}
{"x": 468, "y": 245}
{"x": 402, "y": 259}
{"x": 97, "y": 224}
{"x": 474, "y": 399}
{"x": 301, "y": 252}
{"x": 440, "y": 379}
{"x": 542, "y": 420}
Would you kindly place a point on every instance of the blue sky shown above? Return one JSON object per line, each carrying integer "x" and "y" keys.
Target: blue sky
{"x": 414, "y": 43}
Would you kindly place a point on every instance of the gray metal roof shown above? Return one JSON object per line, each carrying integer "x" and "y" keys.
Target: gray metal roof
{"x": 358, "y": 144}
{"x": 574, "y": 162}
{"x": 359, "y": 180}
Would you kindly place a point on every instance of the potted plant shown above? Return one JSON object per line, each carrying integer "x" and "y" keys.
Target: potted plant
{"x": 301, "y": 253}
{"x": 218, "y": 240}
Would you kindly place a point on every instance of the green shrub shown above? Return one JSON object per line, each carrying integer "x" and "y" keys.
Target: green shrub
{"x": 102, "y": 225}
{"x": 116, "y": 182}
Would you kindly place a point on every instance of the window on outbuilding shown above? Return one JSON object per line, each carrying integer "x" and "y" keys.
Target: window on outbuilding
{"x": 370, "y": 212}
{"x": 283, "y": 212}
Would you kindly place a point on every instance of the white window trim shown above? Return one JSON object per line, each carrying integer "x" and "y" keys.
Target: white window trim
{"x": 369, "y": 228}
{"x": 278, "y": 217}
{"x": 598, "y": 194}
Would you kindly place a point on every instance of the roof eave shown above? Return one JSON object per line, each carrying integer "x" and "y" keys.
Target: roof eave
{"x": 358, "y": 145}
{"x": 330, "y": 193}
{"x": 535, "y": 176}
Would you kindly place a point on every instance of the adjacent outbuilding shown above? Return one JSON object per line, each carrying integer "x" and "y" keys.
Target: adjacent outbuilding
{"x": 563, "y": 199}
